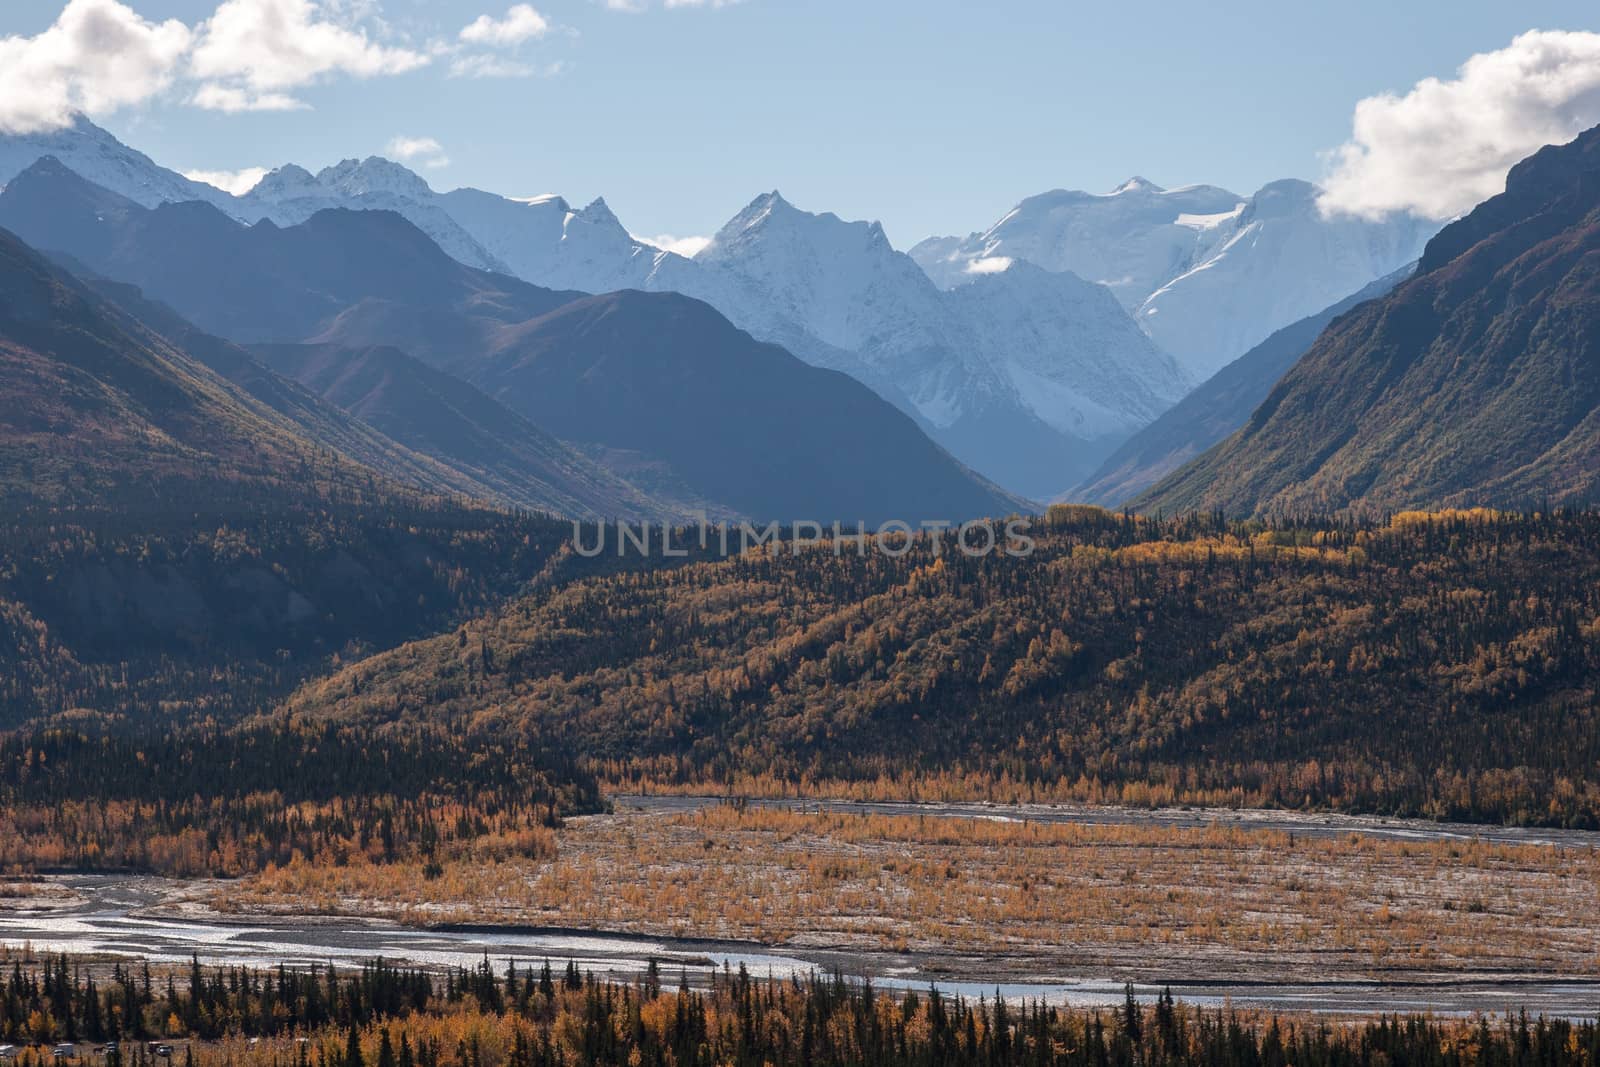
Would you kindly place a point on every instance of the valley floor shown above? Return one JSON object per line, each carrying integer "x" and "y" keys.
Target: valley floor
{"x": 1343, "y": 913}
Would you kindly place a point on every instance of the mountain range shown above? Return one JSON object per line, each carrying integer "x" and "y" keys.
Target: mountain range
{"x": 1040, "y": 350}
{"x": 1032, "y": 377}
{"x": 1475, "y": 382}
{"x": 724, "y": 411}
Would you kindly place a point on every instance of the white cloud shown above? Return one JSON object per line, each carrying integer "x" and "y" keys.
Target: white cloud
{"x": 990, "y": 265}
{"x": 1446, "y": 145}
{"x": 422, "y": 150}
{"x": 262, "y": 47}
{"x": 237, "y": 182}
{"x": 97, "y": 56}
{"x": 521, "y": 23}
{"x": 683, "y": 246}
{"x": 231, "y": 99}
{"x": 249, "y": 55}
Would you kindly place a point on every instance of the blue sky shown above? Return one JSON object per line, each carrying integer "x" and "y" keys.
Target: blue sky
{"x": 932, "y": 116}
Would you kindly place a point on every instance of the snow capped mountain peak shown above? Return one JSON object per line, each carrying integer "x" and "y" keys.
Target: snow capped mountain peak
{"x": 1276, "y": 262}
{"x": 599, "y": 213}
{"x": 287, "y": 180}
{"x": 374, "y": 175}
{"x": 758, "y": 212}
{"x": 290, "y": 195}
{"x": 1282, "y": 198}
{"x": 1016, "y": 356}
{"x": 769, "y": 202}
{"x": 1132, "y": 240}
{"x": 778, "y": 228}
{"x": 1136, "y": 185}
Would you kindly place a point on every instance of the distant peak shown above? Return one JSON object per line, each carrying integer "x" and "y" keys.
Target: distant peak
{"x": 281, "y": 180}
{"x": 599, "y": 212}
{"x": 81, "y": 125}
{"x": 1137, "y": 184}
{"x": 755, "y": 214}
{"x": 1285, "y": 197}
{"x": 1289, "y": 187}
{"x": 767, "y": 203}
{"x": 290, "y": 172}
{"x": 374, "y": 174}
{"x": 50, "y": 174}
{"x": 48, "y": 166}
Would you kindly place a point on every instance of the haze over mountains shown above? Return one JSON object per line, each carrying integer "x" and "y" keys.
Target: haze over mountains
{"x": 734, "y": 423}
{"x": 1031, "y": 376}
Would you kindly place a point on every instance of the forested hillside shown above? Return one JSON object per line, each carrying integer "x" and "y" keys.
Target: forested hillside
{"x": 1442, "y": 665}
{"x": 221, "y": 613}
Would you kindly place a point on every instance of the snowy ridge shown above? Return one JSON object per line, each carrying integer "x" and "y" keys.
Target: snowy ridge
{"x": 1131, "y": 240}
{"x": 92, "y": 153}
{"x": 1206, "y": 273}
{"x": 290, "y": 195}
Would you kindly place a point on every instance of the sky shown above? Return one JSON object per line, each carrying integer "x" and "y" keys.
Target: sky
{"x": 932, "y": 116}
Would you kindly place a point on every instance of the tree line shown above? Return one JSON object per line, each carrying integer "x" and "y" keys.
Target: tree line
{"x": 380, "y": 1015}
{"x": 213, "y": 800}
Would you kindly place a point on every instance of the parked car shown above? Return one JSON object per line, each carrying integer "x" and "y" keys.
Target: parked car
{"x": 65, "y": 1052}
{"x": 7, "y": 1053}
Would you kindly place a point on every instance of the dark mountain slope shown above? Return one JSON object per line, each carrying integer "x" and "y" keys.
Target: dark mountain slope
{"x": 442, "y": 416}
{"x": 97, "y": 411}
{"x": 318, "y": 421}
{"x": 645, "y": 372}
{"x": 1216, "y": 408}
{"x": 1477, "y": 382}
